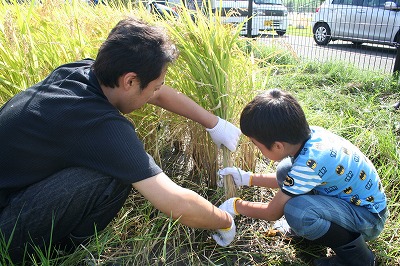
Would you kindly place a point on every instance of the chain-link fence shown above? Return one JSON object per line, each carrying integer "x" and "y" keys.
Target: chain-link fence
{"x": 364, "y": 33}
{"x": 360, "y": 32}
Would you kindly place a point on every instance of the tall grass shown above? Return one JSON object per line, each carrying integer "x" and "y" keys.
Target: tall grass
{"x": 34, "y": 39}
{"x": 210, "y": 70}
{"x": 222, "y": 72}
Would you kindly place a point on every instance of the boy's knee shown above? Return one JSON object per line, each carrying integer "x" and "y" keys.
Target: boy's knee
{"x": 302, "y": 217}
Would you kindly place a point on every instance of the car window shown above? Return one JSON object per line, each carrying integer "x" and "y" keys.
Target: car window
{"x": 348, "y": 2}
{"x": 268, "y": 2}
{"x": 374, "y": 3}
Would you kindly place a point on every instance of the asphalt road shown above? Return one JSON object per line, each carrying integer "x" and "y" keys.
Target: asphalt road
{"x": 366, "y": 56}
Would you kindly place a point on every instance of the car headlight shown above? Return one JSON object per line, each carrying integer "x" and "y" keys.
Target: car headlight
{"x": 255, "y": 11}
{"x": 259, "y": 11}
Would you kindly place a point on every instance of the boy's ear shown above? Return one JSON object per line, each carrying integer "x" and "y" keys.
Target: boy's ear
{"x": 278, "y": 145}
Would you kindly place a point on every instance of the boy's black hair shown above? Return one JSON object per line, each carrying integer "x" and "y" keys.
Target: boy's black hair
{"x": 272, "y": 116}
{"x": 133, "y": 46}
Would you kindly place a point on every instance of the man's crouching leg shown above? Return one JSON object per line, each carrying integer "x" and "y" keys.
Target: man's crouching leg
{"x": 64, "y": 209}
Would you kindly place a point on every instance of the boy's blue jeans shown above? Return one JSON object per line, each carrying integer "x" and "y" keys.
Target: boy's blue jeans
{"x": 310, "y": 216}
{"x": 68, "y": 207}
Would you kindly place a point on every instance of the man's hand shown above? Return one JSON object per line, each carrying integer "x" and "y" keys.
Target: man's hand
{"x": 224, "y": 237}
{"x": 225, "y": 133}
{"x": 240, "y": 177}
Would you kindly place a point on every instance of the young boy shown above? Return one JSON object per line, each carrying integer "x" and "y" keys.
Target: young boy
{"x": 330, "y": 193}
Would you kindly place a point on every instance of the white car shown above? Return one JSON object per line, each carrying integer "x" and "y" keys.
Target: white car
{"x": 358, "y": 21}
{"x": 268, "y": 15}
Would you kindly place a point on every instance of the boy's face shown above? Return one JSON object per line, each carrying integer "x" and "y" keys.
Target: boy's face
{"x": 276, "y": 153}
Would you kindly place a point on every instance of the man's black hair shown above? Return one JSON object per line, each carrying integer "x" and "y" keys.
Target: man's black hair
{"x": 133, "y": 46}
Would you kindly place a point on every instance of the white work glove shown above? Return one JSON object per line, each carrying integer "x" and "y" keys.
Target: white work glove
{"x": 225, "y": 133}
{"x": 224, "y": 237}
{"x": 240, "y": 177}
{"x": 230, "y": 206}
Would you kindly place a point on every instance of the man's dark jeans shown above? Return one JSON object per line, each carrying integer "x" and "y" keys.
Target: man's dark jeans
{"x": 68, "y": 207}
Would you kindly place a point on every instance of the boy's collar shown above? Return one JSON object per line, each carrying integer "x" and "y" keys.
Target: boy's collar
{"x": 302, "y": 146}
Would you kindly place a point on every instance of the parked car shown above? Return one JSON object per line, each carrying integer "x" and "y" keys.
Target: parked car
{"x": 160, "y": 8}
{"x": 268, "y": 15}
{"x": 358, "y": 21}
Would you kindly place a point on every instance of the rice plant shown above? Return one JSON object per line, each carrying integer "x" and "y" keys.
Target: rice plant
{"x": 214, "y": 71}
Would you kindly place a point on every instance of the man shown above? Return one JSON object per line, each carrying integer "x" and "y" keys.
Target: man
{"x": 69, "y": 158}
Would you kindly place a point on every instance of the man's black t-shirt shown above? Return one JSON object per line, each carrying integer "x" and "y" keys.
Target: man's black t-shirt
{"x": 66, "y": 121}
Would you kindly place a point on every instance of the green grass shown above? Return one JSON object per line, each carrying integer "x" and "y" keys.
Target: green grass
{"x": 351, "y": 102}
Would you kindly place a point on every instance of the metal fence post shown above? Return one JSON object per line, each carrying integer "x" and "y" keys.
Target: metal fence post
{"x": 396, "y": 70}
{"x": 396, "y": 67}
{"x": 250, "y": 19}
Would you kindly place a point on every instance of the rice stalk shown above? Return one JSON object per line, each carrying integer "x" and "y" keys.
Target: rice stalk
{"x": 205, "y": 71}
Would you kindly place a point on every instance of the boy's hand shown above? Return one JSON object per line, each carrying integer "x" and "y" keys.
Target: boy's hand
{"x": 224, "y": 237}
{"x": 240, "y": 177}
{"x": 225, "y": 133}
{"x": 230, "y": 206}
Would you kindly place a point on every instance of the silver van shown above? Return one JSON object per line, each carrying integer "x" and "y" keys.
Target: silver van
{"x": 358, "y": 21}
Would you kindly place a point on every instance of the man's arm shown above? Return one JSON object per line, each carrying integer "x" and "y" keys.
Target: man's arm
{"x": 271, "y": 211}
{"x": 177, "y": 102}
{"x": 221, "y": 131}
{"x": 179, "y": 203}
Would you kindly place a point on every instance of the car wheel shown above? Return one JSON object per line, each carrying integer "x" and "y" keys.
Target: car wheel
{"x": 322, "y": 34}
{"x": 281, "y": 32}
